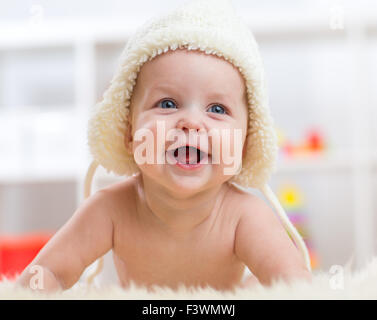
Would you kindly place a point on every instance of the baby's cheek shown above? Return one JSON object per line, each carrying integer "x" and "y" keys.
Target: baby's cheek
{"x": 149, "y": 143}
{"x": 227, "y": 144}
{"x": 143, "y": 144}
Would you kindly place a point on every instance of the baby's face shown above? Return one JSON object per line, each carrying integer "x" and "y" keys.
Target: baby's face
{"x": 182, "y": 95}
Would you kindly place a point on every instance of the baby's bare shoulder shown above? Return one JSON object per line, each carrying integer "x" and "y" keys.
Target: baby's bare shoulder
{"x": 241, "y": 198}
{"x": 238, "y": 202}
{"x": 125, "y": 186}
{"x": 250, "y": 206}
{"x": 120, "y": 196}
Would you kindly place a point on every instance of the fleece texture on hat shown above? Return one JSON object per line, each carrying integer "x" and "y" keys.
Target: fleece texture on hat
{"x": 213, "y": 27}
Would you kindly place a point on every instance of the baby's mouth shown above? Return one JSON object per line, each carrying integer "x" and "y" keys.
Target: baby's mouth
{"x": 188, "y": 155}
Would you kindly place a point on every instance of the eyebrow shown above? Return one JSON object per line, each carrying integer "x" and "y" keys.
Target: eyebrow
{"x": 212, "y": 96}
{"x": 162, "y": 87}
{"x": 221, "y": 96}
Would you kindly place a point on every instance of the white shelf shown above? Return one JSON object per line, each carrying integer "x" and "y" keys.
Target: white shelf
{"x": 30, "y": 177}
{"x": 335, "y": 161}
{"x": 64, "y": 33}
{"x": 309, "y": 164}
{"x": 45, "y": 139}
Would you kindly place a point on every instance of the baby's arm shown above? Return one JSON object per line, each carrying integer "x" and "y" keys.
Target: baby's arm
{"x": 264, "y": 246}
{"x": 85, "y": 237}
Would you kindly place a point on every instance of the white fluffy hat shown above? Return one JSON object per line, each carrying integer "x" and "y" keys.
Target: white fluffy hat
{"x": 214, "y": 27}
{"x": 211, "y": 26}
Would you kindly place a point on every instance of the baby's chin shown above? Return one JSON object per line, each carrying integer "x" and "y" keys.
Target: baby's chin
{"x": 186, "y": 182}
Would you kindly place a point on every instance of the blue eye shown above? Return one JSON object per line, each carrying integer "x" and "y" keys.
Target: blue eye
{"x": 217, "y": 109}
{"x": 167, "y": 104}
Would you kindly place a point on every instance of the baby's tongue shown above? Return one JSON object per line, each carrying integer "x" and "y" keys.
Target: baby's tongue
{"x": 187, "y": 155}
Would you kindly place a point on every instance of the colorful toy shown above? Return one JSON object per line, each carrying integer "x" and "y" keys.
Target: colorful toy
{"x": 313, "y": 143}
{"x": 292, "y": 200}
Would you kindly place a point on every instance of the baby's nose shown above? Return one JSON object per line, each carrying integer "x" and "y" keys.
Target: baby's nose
{"x": 190, "y": 123}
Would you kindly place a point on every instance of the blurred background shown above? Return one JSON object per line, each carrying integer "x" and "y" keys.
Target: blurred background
{"x": 57, "y": 58}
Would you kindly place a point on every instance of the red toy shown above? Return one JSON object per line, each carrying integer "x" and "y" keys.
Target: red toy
{"x": 314, "y": 140}
{"x": 16, "y": 252}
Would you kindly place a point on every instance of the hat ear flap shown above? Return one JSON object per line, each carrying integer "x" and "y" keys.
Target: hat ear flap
{"x": 128, "y": 139}
{"x": 244, "y": 149}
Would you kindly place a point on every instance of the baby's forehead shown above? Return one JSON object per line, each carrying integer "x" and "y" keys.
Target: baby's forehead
{"x": 184, "y": 66}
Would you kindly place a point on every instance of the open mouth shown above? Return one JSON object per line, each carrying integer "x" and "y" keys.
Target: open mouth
{"x": 188, "y": 155}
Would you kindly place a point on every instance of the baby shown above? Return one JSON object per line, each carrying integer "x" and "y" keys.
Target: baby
{"x": 179, "y": 218}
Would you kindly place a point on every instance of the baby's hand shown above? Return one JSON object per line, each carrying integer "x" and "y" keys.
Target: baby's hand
{"x": 38, "y": 278}
{"x": 84, "y": 238}
{"x": 250, "y": 282}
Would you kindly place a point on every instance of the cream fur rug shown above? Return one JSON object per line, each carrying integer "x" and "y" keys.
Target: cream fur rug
{"x": 338, "y": 283}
